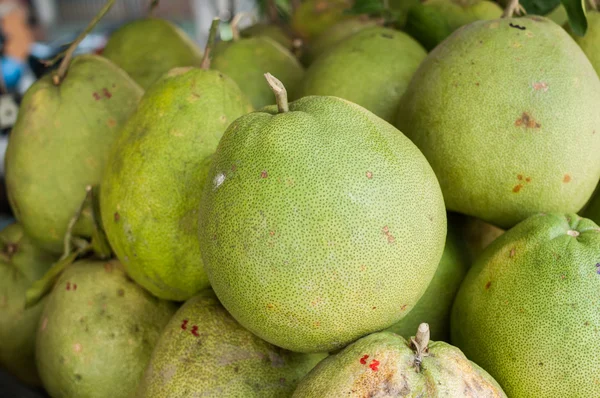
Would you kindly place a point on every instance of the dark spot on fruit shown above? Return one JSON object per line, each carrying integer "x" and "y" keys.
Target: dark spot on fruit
{"x": 517, "y": 188}
{"x": 120, "y": 292}
{"x": 106, "y": 93}
{"x": 512, "y": 253}
{"x": 403, "y": 307}
{"x": 528, "y": 179}
{"x": 112, "y": 335}
{"x": 527, "y": 121}
{"x": 541, "y": 363}
{"x": 586, "y": 323}
{"x": 374, "y": 365}
{"x": 369, "y": 175}
{"x": 195, "y": 330}
{"x": 108, "y": 267}
{"x": 487, "y": 285}
{"x": 387, "y": 35}
{"x": 477, "y": 84}
{"x": 269, "y": 306}
{"x": 517, "y": 26}
{"x": 68, "y": 285}
{"x": 363, "y": 360}
{"x": 374, "y": 308}
{"x": 263, "y": 174}
{"x": 272, "y": 233}
{"x": 567, "y": 178}
{"x": 184, "y": 324}
{"x": 96, "y": 96}
{"x": 74, "y": 286}
{"x": 520, "y": 177}
{"x": 136, "y": 328}
{"x": 220, "y": 75}
{"x": 236, "y": 369}
{"x": 78, "y": 377}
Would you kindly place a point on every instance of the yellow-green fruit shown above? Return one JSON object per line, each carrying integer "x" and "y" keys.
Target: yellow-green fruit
{"x": 149, "y": 48}
{"x": 97, "y": 332}
{"x": 274, "y": 32}
{"x": 203, "y": 351}
{"x": 460, "y": 12}
{"x": 590, "y": 43}
{"x": 529, "y": 101}
{"x": 559, "y": 15}
{"x": 386, "y": 365}
{"x": 333, "y": 36}
{"x": 320, "y": 225}
{"x": 153, "y": 182}
{"x": 372, "y": 69}
{"x": 435, "y": 305}
{"x": 313, "y": 17}
{"x": 247, "y": 60}
{"x": 528, "y": 309}
{"x": 60, "y": 144}
{"x": 21, "y": 264}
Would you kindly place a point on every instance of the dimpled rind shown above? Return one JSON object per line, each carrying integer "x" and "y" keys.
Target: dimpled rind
{"x": 153, "y": 182}
{"x": 60, "y": 144}
{"x": 313, "y": 17}
{"x": 21, "y": 263}
{"x": 148, "y": 48}
{"x": 205, "y": 352}
{"x": 383, "y": 365}
{"x": 527, "y": 311}
{"x": 97, "y": 332}
{"x": 247, "y": 60}
{"x": 319, "y": 225}
{"x": 506, "y": 112}
{"x": 590, "y": 42}
{"x": 460, "y": 12}
{"x": 372, "y": 68}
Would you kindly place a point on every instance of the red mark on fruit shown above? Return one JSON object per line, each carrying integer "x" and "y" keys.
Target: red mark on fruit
{"x": 68, "y": 285}
{"x": 117, "y": 217}
{"x": 487, "y": 285}
{"x": 106, "y": 93}
{"x": 567, "y": 178}
{"x": 272, "y": 233}
{"x": 540, "y": 86}
{"x": 369, "y": 175}
{"x": 374, "y": 365}
{"x": 520, "y": 177}
{"x": 363, "y": 360}
{"x": 195, "y": 330}
{"x": 403, "y": 307}
{"x": 97, "y": 96}
{"x": 386, "y": 231}
{"x": 184, "y": 324}
{"x": 264, "y": 174}
{"x": 517, "y": 188}
{"x": 74, "y": 286}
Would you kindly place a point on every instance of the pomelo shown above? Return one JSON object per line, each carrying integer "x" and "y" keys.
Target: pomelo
{"x": 205, "y": 352}
{"x": 320, "y": 223}
{"x": 590, "y": 43}
{"x": 527, "y": 311}
{"x": 313, "y": 17}
{"x": 499, "y": 109}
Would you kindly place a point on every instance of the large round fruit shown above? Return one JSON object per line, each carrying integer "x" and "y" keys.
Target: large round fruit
{"x": 590, "y": 42}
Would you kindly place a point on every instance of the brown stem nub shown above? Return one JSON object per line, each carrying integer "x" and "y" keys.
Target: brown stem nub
{"x": 67, "y": 242}
{"x": 60, "y": 74}
{"x": 280, "y": 92}
{"x": 235, "y": 31}
{"x": 153, "y": 7}
{"x": 513, "y": 7}
{"x": 420, "y": 343}
{"x": 212, "y": 35}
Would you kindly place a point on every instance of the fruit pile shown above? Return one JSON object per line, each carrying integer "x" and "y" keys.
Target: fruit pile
{"x": 358, "y": 201}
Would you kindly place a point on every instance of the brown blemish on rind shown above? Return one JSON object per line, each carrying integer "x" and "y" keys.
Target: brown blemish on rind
{"x": 386, "y": 231}
{"x": 487, "y": 285}
{"x": 264, "y": 174}
{"x": 512, "y": 253}
{"x": 540, "y": 86}
{"x": 566, "y": 178}
{"x": 117, "y": 217}
{"x": 527, "y": 121}
{"x": 517, "y": 188}
{"x": 369, "y": 175}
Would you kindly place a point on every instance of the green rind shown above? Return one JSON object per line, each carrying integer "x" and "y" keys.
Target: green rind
{"x": 528, "y": 103}
{"x": 528, "y": 309}
{"x": 205, "y": 352}
{"x": 153, "y": 183}
{"x": 60, "y": 144}
{"x": 590, "y": 43}
{"x": 320, "y": 225}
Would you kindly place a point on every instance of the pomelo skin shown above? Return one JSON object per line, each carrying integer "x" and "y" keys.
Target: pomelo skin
{"x": 462, "y": 12}
{"x": 529, "y": 101}
{"x": 436, "y": 303}
{"x": 148, "y": 48}
{"x": 313, "y": 17}
{"x": 274, "y": 32}
{"x": 153, "y": 182}
{"x": 247, "y": 60}
{"x": 386, "y": 365}
{"x": 590, "y": 43}
{"x": 371, "y": 68}
{"x": 319, "y": 225}
{"x": 97, "y": 332}
{"x": 205, "y": 352}
{"x": 60, "y": 144}
{"x": 21, "y": 263}
{"x": 527, "y": 311}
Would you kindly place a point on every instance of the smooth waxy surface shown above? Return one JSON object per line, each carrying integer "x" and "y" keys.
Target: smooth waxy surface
{"x": 247, "y": 60}
{"x": 148, "y": 48}
{"x": 205, "y": 352}
{"x": 153, "y": 183}
{"x": 371, "y": 68}
{"x": 97, "y": 332}
{"x": 527, "y": 311}
{"x": 21, "y": 263}
{"x": 320, "y": 225}
{"x": 385, "y": 365}
{"x": 60, "y": 145}
{"x": 528, "y": 103}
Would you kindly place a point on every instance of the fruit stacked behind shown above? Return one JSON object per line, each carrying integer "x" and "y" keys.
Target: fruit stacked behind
{"x": 259, "y": 219}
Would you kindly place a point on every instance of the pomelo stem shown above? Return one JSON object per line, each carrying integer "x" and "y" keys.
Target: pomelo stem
{"x": 280, "y": 93}
{"x": 67, "y": 242}
{"x": 58, "y": 77}
{"x": 212, "y": 35}
{"x": 420, "y": 343}
{"x": 513, "y": 7}
{"x": 235, "y": 31}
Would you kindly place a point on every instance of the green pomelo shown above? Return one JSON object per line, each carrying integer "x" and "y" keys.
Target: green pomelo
{"x": 529, "y": 101}
{"x": 590, "y": 43}
{"x": 372, "y": 69}
{"x": 149, "y": 48}
{"x": 458, "y": 13}
{"x": 386, "y": 365}
{"x": 153, "y": 182}
{"x": 60, "y": 144}
{"x": 435, "y": 305}
{"x": 320, "y": 225}
{"x": 247, "y": 60}
{"x": 21, "y": 264}
{"x": 559, "y": 15}
{"x": 528, "y": 309}
{"x": 314, "y": 17}
{"x": 97, "y": 332}
{"x": 274, "y": 32}
{"x": 205, "y": 352}
{"x": 333, "y": 36}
